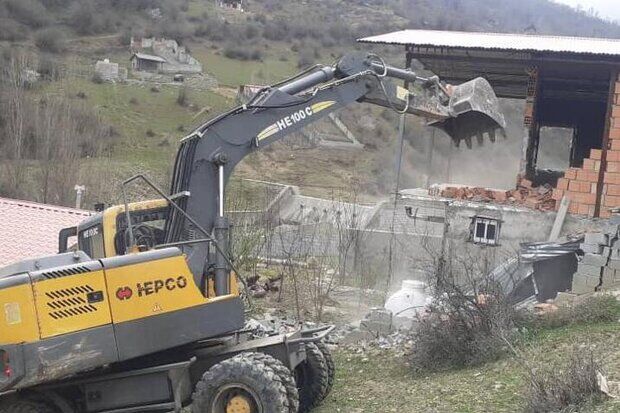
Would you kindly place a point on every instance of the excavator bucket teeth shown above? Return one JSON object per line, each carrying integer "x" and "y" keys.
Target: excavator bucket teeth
{"x": 474, "y": 111}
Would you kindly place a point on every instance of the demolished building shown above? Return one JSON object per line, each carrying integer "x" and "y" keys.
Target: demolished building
{"x": 566, "y": 83}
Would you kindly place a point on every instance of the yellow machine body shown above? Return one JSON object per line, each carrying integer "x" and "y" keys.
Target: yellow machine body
{"x": 80, "y": 312}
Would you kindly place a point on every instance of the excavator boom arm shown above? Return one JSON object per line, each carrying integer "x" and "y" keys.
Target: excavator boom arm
{"x": 207, "y": 157}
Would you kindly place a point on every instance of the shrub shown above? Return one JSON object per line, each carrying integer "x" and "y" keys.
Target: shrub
{"x": 183, "y": 96}
{"x": 49, "y": 67}
{"x": 553, "y": 389}
{"x": 28, "y": 12}
{"x": 97, "y": 78}
{"x": 595, "y": 309}
{"x": 239, "y": 53}
{"x": 150, "y": 133}
{"x": 11, "y": 31}
{"x": 470, "y": 321}
{"x": 50, "y": 40}
{"x": 462, "y": 334}
{"x": 306, "y": 58}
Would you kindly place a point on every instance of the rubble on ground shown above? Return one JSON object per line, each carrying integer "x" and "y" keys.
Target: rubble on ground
{"x": 258, "y": 286}
{"x": 526, "y": 194}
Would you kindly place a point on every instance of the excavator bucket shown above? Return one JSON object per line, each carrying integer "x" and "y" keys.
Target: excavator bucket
{"x": 475, "y": 112}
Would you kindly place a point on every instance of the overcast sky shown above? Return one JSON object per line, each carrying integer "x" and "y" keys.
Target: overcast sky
{"x": 609, "y": 9}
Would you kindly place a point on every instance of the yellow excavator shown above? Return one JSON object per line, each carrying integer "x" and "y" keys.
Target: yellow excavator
{"x": 147, "y": 315}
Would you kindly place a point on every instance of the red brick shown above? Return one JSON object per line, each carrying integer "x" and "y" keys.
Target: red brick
{"x": 604, "y": 213}
{"x": 591, "y": 164}
{"x": 615, "y": 112}
{"x": 573, "y": 208}
{"x": 558, "y": 194}
{"x": 517, "y": 195}
{"x": 587, "y": 176}
{"x": 617, "y": 99}
{"x": 589, "y": 199}
{"x": 583, "y": 209}
{"x": 615, "y": 123}
{"x": 571, "y": 173}
{"x": 574, "y": 186}
{"x": 596, "y": 154}
{"x": 611, "y": 201}
{"x": 618, "y": 86}
{"x": 612, "y": 178}
{"x": 613, "y": 156}
{"x": 614, "y": 133}
{"x": 532, "y": 202}
{"x": 526, "y": 183}
{"x": 562, "y": 184}
{"x": 613, "y": 166}
{"x": 593, "y": 187}
{"x": 500, "y": 196}
{"x": 614, "y": 145}
{"x": 611, "y": 189}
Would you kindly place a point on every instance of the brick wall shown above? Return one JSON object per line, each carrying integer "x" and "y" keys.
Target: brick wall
{"x": 611, "y": 180}
{"x": 580, "y": 185}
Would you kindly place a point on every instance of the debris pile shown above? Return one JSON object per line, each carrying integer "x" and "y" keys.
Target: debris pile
{"x": 259, "y": 286}
{"x": 599, "y": 268}
{"x": 540, "y": 198}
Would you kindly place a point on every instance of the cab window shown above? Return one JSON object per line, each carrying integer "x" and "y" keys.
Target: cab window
{"x": 148, "y": 229}
{"x": 90, "y": 240}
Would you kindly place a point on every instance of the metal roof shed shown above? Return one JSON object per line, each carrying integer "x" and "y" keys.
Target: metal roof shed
{"x": 567, "y": 82}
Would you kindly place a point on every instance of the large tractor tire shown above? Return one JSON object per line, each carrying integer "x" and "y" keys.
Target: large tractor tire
{"x": 241, "y": 384}
{"x": 24, "y": 405}
{"x": 312, "y": 379}
{"x": 331, "y": 366}
{"x": 285, "y": 375}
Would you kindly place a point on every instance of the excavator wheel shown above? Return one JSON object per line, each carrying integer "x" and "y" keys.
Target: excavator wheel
{"x": 312, "y": 379}
{"x": 241, "y": 384}
{"x": 331, "y": 366}
{"x": 285, "y": 374}
{"x": 25, "y": 405}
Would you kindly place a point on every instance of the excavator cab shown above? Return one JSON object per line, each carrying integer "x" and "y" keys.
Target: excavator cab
{"x": 106, "y": 234}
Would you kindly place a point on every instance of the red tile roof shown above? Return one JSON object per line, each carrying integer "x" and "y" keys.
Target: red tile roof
{"x": 30, "y": 230}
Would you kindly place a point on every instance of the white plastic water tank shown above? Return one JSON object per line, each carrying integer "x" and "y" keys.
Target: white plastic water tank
{"x": 410, "y": 300}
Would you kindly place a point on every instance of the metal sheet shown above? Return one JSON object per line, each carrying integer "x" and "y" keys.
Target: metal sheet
{"x": 540, "y": 251}
{"x": 499, "y": 41}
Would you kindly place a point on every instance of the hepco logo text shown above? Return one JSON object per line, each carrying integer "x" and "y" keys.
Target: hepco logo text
{"x": 155, "y": 287}
{"x": 145, "y": 288}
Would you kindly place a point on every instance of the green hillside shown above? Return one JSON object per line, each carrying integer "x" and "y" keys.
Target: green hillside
{"x": 62, "y": 39}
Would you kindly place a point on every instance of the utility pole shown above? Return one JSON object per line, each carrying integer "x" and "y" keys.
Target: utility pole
{"x": 79, "y": 190}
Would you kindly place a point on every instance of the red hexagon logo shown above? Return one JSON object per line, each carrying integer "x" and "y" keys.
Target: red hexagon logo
{"x": 124, "y": 293}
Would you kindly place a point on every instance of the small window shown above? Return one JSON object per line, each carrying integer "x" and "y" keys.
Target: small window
{"x": 485, "y": 231}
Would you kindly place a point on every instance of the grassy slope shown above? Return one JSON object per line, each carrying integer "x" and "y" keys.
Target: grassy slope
{"x": 383, "y": 383}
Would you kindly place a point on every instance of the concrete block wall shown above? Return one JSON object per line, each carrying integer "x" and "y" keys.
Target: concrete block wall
{"x": 599, "y": 267}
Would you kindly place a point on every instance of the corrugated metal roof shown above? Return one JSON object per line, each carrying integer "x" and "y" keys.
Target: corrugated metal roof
{"x": 30, "y": 230}
{"x": 152, "y": 58}
{"x": 500, "y": 41}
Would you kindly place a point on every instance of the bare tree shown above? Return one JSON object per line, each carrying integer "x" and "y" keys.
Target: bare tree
{"x": 15, "y": 118}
